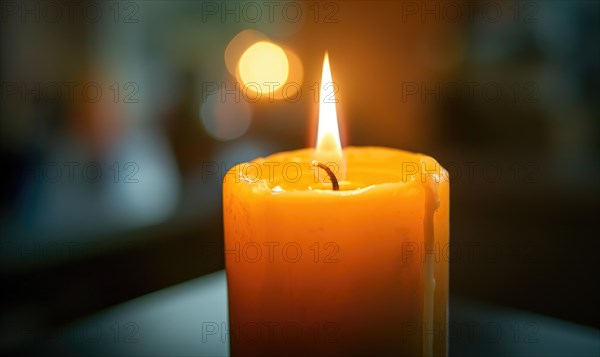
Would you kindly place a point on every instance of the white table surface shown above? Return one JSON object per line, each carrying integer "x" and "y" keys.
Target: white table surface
{"x": 189, "y": 319}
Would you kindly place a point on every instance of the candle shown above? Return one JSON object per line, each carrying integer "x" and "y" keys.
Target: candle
{"x": 337, "y": 252}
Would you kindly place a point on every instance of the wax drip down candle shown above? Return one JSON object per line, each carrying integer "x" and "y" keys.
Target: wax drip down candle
{"x": 337, "y": 252}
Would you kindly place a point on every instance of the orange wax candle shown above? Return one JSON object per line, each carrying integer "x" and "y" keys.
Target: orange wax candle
{"x": 358, "y": 271}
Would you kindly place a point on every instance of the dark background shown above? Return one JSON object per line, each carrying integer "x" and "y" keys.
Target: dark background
{"x": 112, "y": 195}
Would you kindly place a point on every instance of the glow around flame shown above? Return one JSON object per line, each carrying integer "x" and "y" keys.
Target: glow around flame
{"x": 329, "y": 147}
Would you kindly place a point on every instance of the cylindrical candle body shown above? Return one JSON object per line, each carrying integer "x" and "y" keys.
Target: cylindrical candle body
{"x": 360, "y": 271}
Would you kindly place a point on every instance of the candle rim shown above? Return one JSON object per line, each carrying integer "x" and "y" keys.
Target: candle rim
{"x": 302, "y": 156}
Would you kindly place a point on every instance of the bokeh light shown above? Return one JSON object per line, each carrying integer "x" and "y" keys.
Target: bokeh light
{"x": 291, "y": 91}
{"x": 264, "y": 67}
{"x": 225, "y": 116}
{"x": 249, "y": 57}
{"x": 240, "y": 43}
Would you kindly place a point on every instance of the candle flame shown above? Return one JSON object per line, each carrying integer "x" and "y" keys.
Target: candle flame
{"x": 329, "y": 147}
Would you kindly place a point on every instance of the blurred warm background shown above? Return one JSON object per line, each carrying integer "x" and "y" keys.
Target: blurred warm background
{"x": 120, "y": 118}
